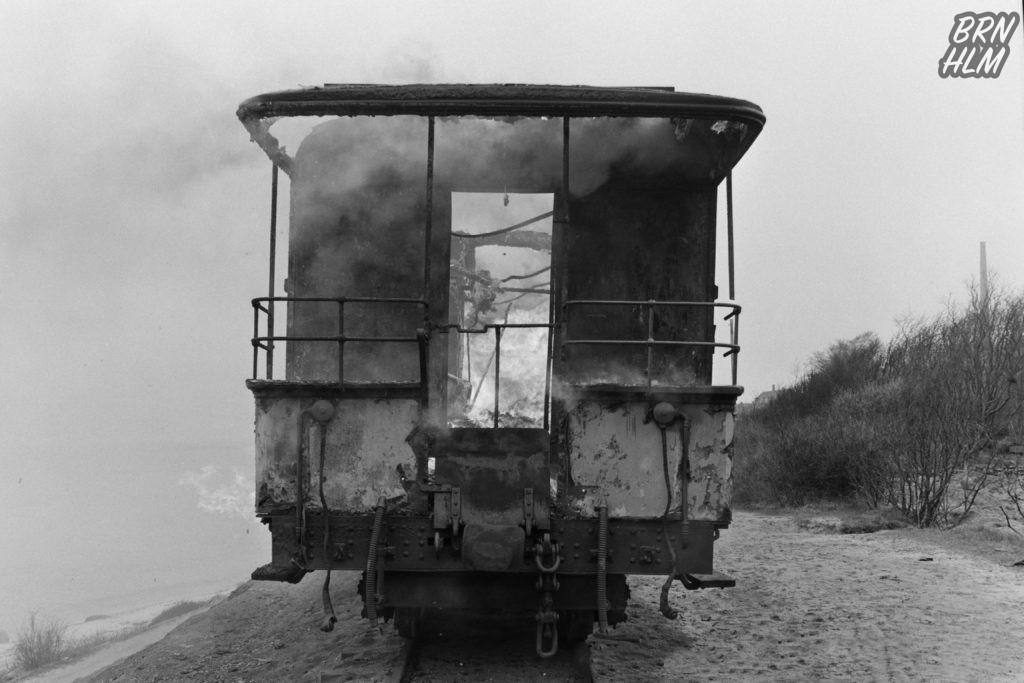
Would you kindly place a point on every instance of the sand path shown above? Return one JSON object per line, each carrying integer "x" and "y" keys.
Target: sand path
{"x": 109, "y": 654}
{"x": 812, "y": 606}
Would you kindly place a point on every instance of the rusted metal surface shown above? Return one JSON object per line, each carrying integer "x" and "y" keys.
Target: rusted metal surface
{"x": 489, "y": 547}
{"x": 474, "y": 590}
{"x": 614, "y": 453}
{"x": 634, "y": 546}
{"x": 492, "y": 468}
{"x": 644, "y": 235}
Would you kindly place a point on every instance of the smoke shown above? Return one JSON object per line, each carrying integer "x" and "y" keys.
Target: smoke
{"x": 222, "y": 492}
{"x": 359, "y": 204}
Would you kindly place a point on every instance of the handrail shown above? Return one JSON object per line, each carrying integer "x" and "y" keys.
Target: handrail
{"x": 265, "y": 305}
{"x": 499, "y": 328}
{"x": 732, "y": 346}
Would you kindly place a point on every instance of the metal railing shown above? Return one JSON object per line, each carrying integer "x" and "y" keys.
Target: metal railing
{"x": 499, "y": 329}
{"x": 265, "y": 305}
{"x": 732, "y": 346}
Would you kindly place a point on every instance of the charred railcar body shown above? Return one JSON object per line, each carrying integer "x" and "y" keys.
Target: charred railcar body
{"x": 551, "y": 249}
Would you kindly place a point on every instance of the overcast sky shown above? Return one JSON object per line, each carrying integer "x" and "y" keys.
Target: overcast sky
{"x": 133, "y": 218}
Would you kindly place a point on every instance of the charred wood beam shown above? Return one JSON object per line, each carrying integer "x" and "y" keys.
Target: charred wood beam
{"x": 527, "y": 276}
{"x": 259, "y": 132}
{"x": 527, "y": 239}
{"x": 510, "y": 228}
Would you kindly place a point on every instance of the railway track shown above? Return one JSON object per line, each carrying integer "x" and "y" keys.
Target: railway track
{"x": 487, "y": 649}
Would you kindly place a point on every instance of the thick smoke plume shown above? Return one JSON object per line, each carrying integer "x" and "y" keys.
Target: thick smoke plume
{"x": 222, "y": 492}
{"x": 360, "y": 203}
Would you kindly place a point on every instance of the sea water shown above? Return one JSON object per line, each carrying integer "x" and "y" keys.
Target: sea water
{"x": 114, "y": 531}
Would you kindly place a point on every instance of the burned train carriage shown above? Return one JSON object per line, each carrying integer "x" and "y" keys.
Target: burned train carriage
{"x": 498, "y": 327}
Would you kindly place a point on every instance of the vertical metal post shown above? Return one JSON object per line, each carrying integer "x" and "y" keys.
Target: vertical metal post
{"x": 273, "y": 263}
{"x": 558, "y": 274}
{"x": 255, "y": 340}
{"x": 469, "y": 363}
{"x": 564, "y": 209}
{"x": 341, "y": 343}
{"x": 735, "y": 340}
{"x": 734, "y": 321}
{"x": 650, "y": 344}
{"x": 547, "y": 364}
{"x": 497, "y": 371}
{"x": 421, "y": 344}
{"x": 728, "y": 213}
{"x": 428, "y": 236}
{"x": 428, "y": 223}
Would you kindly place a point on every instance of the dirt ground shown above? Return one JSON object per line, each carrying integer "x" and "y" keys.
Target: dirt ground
{"x": 270, "y": 632}
{"x": 808, "y": 606}
{"x": 813, "y": 606}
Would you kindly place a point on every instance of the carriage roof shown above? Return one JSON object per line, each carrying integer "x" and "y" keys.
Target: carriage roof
{"x": 497, "y": 100}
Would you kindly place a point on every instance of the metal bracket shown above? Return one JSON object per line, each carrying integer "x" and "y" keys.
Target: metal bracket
{"x": 456, "y": 518}
{"x": 648, "y": 554}
{"x": 696, "y": 581}
{"x": 528, "y": 510}
{"x": 456, "y": 508}
{"x": 344, "y": 551}
{"x": 442, "y": 510}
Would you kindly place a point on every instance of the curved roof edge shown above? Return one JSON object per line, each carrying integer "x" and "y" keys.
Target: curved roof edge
{"x": 496, "y": 100}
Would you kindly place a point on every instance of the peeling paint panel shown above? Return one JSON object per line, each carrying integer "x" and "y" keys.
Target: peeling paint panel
{"x": 277, "y": 446}
{"x": 613, "y": 454}
{"x": 365, "y": 445}
{"x": 709, "y": 493}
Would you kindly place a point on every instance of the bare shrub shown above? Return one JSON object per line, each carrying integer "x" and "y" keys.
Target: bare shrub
{"x": 914, "y": 425}
{"x": 957, "y": 376}
{"x": 789, "y": 451}
{"x": 1012, "y": 485}
{"x": 862, "y": 426}
{"x": 41, "y": 642}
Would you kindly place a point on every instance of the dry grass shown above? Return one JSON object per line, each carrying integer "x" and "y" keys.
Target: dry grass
{"x": 992, "y": 541}
{"x": 41, "y": 642}
{"x": 46, "y": 642}
{"x": 833, "y": 517}
{"x": 984, "y": 533}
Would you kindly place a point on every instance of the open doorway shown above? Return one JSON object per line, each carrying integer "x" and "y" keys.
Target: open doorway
{"x": 500, "y": 298}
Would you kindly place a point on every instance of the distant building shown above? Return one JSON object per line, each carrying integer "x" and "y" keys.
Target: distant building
{"x": 765, "y": 397}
